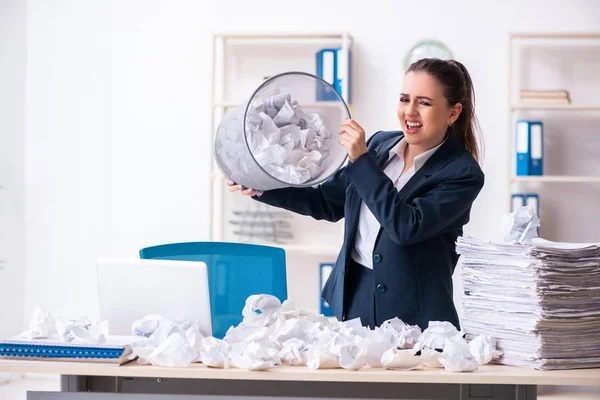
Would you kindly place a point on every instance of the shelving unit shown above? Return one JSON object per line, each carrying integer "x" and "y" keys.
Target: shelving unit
{"x": 546, "y": 61}
{"x": 557, "y": 179}
{"x": 241, "y": 62}
{"x": 569, "y": 107}
{"x": 2, "y": 225}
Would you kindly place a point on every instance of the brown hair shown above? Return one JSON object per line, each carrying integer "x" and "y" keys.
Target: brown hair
{"x": 458, "y": 88}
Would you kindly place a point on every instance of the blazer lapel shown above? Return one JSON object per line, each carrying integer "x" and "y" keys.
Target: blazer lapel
{"x": 355, "y": 201}
{"x": 381, "y": 157}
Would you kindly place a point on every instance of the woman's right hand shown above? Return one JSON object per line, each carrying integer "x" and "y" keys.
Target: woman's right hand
{"x": 234, "y": 187}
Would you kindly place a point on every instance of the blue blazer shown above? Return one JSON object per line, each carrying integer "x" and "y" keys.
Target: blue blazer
{"x": 414, "y": 255}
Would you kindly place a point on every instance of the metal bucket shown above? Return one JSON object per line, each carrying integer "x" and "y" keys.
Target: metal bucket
{"x": 283, "y": 136}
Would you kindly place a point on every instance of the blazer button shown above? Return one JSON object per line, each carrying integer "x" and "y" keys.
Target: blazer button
{"x": 381, "y": 288}
{"x": 377, "y": 258}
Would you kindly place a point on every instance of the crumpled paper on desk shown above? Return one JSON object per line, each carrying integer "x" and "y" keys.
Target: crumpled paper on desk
{"x": 304, "y": 337}
{"x": 442, "y": 345}
{"x": 288, "y": 143}
{"x": 45, "y": 325}
{"x": 273, "y": 333}
{"x": 483, "y": 349}
{"x": 399, "y": 358}
{"x": 520, "y": 226}
{"x": 165, "y": 343}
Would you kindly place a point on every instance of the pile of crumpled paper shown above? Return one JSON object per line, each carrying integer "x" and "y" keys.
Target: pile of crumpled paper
{"x": 286, "y": 142}
{"x": 273, "y": 333}
{"x": 45, "y": 325}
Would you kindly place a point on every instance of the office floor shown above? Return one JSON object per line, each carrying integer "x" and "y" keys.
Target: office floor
{"x": 16, "y": 387}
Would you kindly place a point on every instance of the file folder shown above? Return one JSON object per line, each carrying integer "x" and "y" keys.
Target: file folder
{"x": 325, "y": 271}
{"x": 533, "y": 200}
{"x": 340, "y": 77}
{"x": 522, "y": 140}
{"x": 517, "y": 201}
{"x": 536, "y": 140}
{"x": 326, "y": 70}
{"x": 49, "y": 350}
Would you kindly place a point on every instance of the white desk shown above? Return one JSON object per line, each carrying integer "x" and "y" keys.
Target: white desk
{"x": 200, "y": 382}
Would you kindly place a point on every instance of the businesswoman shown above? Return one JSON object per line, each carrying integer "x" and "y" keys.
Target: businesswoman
{"x": 405, "y": 197}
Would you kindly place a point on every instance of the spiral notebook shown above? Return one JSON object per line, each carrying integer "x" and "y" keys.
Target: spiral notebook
{"x": 116, "y": 350}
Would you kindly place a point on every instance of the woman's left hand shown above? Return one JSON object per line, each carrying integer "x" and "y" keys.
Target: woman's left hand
{"x": 352, "y": 137}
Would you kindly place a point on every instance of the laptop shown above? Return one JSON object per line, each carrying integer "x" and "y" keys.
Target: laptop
{"x": 130, "y": 288}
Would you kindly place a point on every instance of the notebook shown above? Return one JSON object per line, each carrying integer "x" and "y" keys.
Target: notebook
{"x": 114, "y": 351}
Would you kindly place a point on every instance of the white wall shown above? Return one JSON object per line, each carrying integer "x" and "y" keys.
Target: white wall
{"x": 13, "y": 45}
{"x": 117, "y": 112}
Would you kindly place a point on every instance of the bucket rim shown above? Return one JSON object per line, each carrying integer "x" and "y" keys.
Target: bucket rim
{"x": 266, "y": 82}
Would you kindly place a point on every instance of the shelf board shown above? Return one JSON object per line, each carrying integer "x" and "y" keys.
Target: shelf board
{"x": 555, "y": 35}
{"x": 557, "y": 179}
{"x": 283, "y": 36}
{"x": 570, "y": 107}
{"x": 311, "y": 250}
{"x": 320, "y": 104}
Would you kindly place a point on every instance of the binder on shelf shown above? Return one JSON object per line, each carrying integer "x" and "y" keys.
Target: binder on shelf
{"x": 326, "y": 70}
{"x": 533, "y": 200}
{"x": 332, "y": 69}
{"x": 536, "y": 154}
{"x": 517, "y": 201}
{"x": 340, "y": 77}
{"x": 522, "y": 138}
{"x": 324, "y": 272}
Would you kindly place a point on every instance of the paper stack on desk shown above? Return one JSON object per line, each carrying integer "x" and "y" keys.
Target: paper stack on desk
{"x": 541, "y": 301}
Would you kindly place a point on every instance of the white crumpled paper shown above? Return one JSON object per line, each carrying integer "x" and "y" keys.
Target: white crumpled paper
{"x": 399, "y": 358}
{"x": 165, "y": 343}
{"x": 273, "y": 333}
{"x": 520, "y": 226}
{"x": 288, "y": 143}
{"x": 483, "y": 349}
{"x": 456, "y": 356}
{"x": 304, "y": 337}
{"x": 44, "y": 325}
{"x": 442, "y": 345}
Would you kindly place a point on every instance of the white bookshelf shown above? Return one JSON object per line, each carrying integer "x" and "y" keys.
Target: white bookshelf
{"x": 566, "y": 107}
{"x": 547, "y": 61}
{"x": 241, "y": 61}
{"x": 2, "y": 225}
{"x": 327, "y": 251}
{"x": 557, "y": 179}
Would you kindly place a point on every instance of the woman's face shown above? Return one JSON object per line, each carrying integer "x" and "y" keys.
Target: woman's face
{"x": 423, "y": 110}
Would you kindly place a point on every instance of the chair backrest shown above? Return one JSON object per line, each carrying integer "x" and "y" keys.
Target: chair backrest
{"x": 235, "y": 271}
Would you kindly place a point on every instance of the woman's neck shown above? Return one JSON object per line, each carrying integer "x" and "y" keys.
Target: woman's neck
{"x": 414, "y": 150}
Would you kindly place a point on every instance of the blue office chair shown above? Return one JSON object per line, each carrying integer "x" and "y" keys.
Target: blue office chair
{"x": 235, "y": 271}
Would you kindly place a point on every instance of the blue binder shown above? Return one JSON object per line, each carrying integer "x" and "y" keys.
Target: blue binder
{"x": 324, "y": 272}
{"x": 522, "y": 147}
{"x": 533, "y": 200}
{"x": 326, "y": 70}
{"x": 44, "y": 349}
{"x": 517, "y": 201}
{"x": 339, "y": 75}
{"x": 536, "y": 153}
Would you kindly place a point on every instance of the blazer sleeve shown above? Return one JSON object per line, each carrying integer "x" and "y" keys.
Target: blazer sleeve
{"x": 325, "y": 201}
{"x": 425, "y": 217}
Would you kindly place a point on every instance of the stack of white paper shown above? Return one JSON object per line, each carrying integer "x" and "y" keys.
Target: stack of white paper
{"x": 541, "y": 301}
